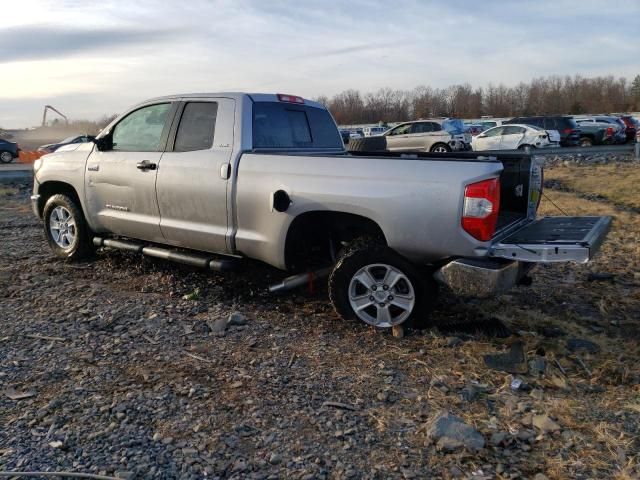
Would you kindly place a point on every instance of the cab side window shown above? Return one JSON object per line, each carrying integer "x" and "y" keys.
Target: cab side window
{"x": 141, "y": 130}
{"x": 197, "y": 127}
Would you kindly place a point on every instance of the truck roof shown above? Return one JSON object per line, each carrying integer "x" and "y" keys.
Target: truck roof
{"x": 256, "y": 97}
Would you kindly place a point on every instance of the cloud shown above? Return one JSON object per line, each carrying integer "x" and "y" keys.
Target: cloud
{"x": 34, "y": 42}
{"x": 91, "y": 58}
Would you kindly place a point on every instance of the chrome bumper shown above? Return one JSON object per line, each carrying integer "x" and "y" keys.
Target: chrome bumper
{"x": 481, "y": 277}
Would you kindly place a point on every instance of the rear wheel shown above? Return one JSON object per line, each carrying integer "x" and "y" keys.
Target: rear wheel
{"x": 524, "y": 147}
{"x": 373, "y": 283}
{"x": 6, "y": 157}
{"x": 65, "y": 228}
{"x": 586, "y": 142}
{"x": 440, "y": 148}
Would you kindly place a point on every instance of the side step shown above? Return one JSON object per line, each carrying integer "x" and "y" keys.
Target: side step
{"x": 186, "y": 258}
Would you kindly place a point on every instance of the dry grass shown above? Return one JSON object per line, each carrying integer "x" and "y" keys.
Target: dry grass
{"x": 617, "y": 183}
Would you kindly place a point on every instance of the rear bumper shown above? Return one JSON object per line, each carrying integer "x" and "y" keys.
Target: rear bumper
{"x": 482, "y": 277}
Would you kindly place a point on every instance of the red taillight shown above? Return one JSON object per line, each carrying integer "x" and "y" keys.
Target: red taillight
{"x": 290, "y": 98}
{"x": 609, "y": 132}
{"x": 568, "y": 131}
{"x": 481, "y": 207}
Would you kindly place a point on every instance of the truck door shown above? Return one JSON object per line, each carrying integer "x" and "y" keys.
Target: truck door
{"x": 121, "y": 181}
{"x": 194, "y": 173}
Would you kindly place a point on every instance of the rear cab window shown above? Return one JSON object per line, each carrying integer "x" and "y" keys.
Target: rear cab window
{"x": 281, "y": 125}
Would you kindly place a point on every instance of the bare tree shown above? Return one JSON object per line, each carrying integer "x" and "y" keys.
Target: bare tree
{"x": 543, "y": 95}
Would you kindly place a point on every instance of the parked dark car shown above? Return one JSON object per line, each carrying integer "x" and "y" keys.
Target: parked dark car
{"x": 346, "y": 136}
{"x": 631, "y": 127}
{"x": 8, "y": 151}
{"x": 52, "y": 147}
{"x": 566, "y": 126}
{"x": 597, "y": 133}
{"x": 621, "y": 135}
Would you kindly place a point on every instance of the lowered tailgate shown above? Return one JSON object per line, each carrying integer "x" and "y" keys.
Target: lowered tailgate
{"x": 554, "y": 239}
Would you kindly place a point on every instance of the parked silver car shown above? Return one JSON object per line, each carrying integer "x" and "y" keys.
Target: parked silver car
{"x": 422, "y": 136}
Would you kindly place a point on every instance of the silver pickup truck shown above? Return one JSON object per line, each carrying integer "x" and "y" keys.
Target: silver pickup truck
{"x": 204, "y": 179}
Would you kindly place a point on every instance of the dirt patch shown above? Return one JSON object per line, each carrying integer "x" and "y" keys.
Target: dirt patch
{"x": 140, "y": 384}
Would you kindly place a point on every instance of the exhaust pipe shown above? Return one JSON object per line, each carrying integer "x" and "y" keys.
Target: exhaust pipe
{"x": 300, "y": 279}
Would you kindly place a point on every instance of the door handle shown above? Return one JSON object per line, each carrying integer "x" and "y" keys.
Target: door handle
{"x": 146, "y": 165}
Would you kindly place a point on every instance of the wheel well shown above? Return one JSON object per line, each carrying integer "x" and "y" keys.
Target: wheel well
{"x": 314, "y": 238}
{"x": 48, "y": 189}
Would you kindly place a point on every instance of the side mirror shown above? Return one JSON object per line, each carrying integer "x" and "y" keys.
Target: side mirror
{"x": 104, "y": 144}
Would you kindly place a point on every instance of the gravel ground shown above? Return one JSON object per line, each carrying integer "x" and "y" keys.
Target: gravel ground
{"x": 125, "y": 368}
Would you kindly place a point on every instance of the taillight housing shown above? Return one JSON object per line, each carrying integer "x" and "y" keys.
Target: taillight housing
{"x": 609, "y": 132}
{"x": 568, "y": 131}
{"x": 481, "y": 208}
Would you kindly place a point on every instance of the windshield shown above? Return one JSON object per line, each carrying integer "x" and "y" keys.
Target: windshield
{"x": 68, "y": 139}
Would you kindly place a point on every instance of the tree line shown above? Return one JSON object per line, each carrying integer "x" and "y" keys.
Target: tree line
{"x": 542, "y": 96}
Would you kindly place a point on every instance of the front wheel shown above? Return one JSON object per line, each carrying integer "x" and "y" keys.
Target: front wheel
{"x": 440, "y": 148}
{"x": 65, "y": 228}
{"x": 374, "y": 284}
{"x": 6, "y": 157}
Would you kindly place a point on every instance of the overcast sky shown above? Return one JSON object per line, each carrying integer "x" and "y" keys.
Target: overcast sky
{"x": 89, "y": 58}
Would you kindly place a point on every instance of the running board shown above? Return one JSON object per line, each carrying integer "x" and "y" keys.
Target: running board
{"x": 186, "y": 258}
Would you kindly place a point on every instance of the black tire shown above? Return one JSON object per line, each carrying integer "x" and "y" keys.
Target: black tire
{"x": 5, "y": 156}
{"x": 438, "y": 147}
{"x": 366, "y": 251}
{"x": 367, "y": 144}
{"x": 586, "y": 142}
{"x": 81, "y": 245}
{"x": 524, "y": 147}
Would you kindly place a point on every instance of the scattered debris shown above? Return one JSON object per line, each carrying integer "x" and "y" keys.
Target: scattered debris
{"x": 537, "y": 366}
{"x": 578, "y": 344}
{"x": 236, "y": 319}
{"x": 450, "y": 433}
{"x": 545, "y": 424}
{"x": 397, "y": 331}
{"x": 599, "y": 277}
{"x": 582, "y": 364}
{"x": 14, "y": 394}
{"x": 344, "y": 406}
{"x": 193, "y": 295}
{"x": 514, "y": 361}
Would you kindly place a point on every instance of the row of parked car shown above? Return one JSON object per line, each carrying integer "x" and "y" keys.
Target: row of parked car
{"x": 584, "y": 131}
{"x": 499, "y": 134}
